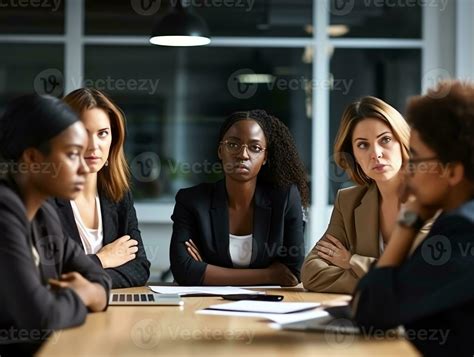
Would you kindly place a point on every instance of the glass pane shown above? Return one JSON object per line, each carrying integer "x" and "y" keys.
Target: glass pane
{"x": 375, "y": 18}
{"x": 287, "y": 18}
{"x": 30, "y": 68}
{"x": 175, "y": 99}
{"x": 392, "y": 75}
{"x": 32, "y": 17}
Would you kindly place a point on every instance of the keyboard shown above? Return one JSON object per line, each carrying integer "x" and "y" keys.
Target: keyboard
{"x": 145, "y": 299}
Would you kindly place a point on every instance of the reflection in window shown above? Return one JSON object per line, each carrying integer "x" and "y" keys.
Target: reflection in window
{"x": 19, "y": 74}
{"x": 256, "y": 18}
{"x": 374, "y": 18}
{"x": 392, "y": 75}
{"x": 176, "y": 99}
{"x": 32, "y": 17}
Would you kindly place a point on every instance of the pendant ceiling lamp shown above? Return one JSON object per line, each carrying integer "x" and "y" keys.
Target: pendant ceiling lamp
{"x": 180, "y": 27}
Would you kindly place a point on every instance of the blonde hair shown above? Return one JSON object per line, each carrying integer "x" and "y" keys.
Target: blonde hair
{"x": 112, "y": 180}
{"x": 367, "y": 107}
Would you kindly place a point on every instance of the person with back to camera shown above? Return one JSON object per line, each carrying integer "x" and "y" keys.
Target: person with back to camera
{"x": 48, "y": 282}
{"x": 246, "y": 229}
{"x": 372, "y": 146}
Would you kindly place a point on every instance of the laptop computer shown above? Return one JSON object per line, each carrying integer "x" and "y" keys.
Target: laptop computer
{"x": 145, "y": 299}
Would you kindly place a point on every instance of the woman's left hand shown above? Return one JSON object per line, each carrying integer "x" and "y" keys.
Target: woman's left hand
{"x": 193, "y": 251}
{"x": 332, "y": 250}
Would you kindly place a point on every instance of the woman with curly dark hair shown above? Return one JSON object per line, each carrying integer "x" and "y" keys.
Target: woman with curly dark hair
{"x": 246, "y": 229}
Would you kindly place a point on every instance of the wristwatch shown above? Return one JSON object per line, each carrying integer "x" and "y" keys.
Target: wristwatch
{"x": 410, "y": 219}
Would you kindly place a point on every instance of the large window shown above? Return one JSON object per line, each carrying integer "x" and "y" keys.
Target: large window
{"x": 313, "y": 57}
{"x": 392, "y": 75}
{"x": 176, "y": 99}
{"x": 19, "y": 74}
{"x": 261, "y": 18}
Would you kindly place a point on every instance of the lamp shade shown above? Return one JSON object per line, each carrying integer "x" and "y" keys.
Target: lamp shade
{"x": 180, "y": 27}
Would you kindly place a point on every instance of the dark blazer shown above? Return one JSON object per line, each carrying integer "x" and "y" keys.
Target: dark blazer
{"x": 201, "y": 214}
{"x": 432, "y": 293}
{"x": 26, "y": 301}
{"x": 118, "y": 219}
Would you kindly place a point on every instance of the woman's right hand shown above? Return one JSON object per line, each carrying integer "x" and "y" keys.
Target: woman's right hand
{"x": 119, "y": 252}
{"x": 281, "y": 275}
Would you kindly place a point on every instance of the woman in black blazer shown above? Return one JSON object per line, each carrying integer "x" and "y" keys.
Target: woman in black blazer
{"x": 248, "y": 228}
{"x": 102, "y": 219}
{"x": 47, "y": 281}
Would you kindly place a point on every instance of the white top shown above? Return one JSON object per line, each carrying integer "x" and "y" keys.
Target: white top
{"x": 240, "y": 248}
{"x": 92, "y": 239}
{"x": 382, "y": 244}
{"x": 36, "y": 257}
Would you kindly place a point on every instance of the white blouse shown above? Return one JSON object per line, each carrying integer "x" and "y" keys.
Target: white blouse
{"x": 382, "y": 244}
{"x": 92, "y": 239}
{"x": 240, "y": 248}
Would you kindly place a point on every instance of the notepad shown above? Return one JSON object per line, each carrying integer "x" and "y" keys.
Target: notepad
{"x": 202, "y": 290}
{"x": 278, "y": 318}
{"x": 267, "y": 307}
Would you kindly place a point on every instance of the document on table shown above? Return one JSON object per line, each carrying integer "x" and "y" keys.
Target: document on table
{"x": 202, "y": 290}
{"x": 265, "y": 306}
{"x": 278, "y": 318}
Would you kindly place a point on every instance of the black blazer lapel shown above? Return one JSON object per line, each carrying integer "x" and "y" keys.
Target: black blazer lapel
{"x": 47, "y": 245}
{"x": 220, "y": 222}
{"x": 261, "y": 224}
{"x": 109, "y": 220}
{"x": 67, "y": 218}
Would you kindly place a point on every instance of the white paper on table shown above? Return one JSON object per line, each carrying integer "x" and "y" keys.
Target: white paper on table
{"x": 269, "y": 307}
{"x": 202, "y": 290}
{"x": 261, "y": 287}
{"x": 278, "y": 318}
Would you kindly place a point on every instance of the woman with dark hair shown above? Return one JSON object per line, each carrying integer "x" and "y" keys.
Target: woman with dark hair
{"x": 247, "y": 228}
{"x": 102, "y": 218}
{"x": 47, "y": 281}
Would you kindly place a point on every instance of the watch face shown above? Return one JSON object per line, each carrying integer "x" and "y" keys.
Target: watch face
{"x": 409, "y": 218}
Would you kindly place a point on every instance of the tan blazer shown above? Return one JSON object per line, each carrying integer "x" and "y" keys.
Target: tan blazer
{"x": 355, "y": 222}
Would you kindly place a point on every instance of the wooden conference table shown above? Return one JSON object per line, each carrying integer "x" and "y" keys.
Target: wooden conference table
{"x": 178, "y": 331}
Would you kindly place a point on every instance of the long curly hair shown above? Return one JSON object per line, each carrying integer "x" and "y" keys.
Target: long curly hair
{"x": 284, "y": 166}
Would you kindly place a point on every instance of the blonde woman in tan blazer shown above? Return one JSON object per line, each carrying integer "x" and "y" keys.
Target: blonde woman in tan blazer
{"x": 372, "y": 146}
